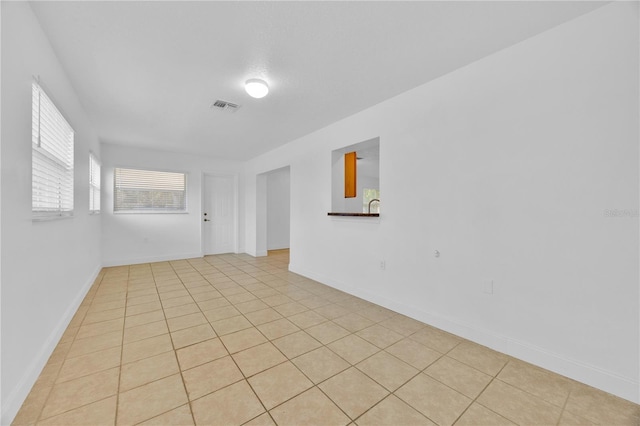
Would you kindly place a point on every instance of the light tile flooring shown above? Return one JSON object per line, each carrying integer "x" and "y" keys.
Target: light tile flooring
{"x": 231, "y": 340}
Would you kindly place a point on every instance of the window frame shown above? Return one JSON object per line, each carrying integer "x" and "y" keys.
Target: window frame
{"x": 93, "y": 187}
{"x": 49, "y": 165}
{"x": 150, "y": 211}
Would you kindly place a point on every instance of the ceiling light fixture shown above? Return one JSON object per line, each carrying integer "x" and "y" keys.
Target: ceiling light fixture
{"x": 256, "y": 88}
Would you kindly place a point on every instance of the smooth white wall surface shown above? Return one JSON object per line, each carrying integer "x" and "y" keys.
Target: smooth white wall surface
{"x": 47, "y": 267}
{"x": 129, "y": 238}
{"x": 507, "y": 167}
{"x": 278, "y": 208}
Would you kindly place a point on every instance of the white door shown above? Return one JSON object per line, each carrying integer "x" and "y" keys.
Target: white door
{"x": 218, "y": 214}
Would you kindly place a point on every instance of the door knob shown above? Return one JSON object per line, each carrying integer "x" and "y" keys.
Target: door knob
{"x": 207, "y": 220}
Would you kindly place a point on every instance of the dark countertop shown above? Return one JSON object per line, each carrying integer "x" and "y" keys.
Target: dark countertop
{"x": 354, "y": 214}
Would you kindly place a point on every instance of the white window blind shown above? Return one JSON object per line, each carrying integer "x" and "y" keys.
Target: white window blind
{"x": 149, "y": 191}
{"x": 94, "y": 184}
{"x": 51, "y": 158}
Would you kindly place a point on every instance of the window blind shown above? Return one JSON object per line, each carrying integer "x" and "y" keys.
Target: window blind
{"x": 149, "y": 191}
{"x": 51, "y": 158}
{"x": 94, "y": 184}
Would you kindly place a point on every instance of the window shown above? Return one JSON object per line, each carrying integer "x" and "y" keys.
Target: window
{"x": 150, "y": 191}
{"x": 51, "y": 158}
{"x": 94, "y": 184}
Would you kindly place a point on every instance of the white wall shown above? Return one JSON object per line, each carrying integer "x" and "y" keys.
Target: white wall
{"x": 505, "y": 166}
{"x": 129, "y": 238}
{"x": 47, "y": 267}
{"x": 278, "y": 209}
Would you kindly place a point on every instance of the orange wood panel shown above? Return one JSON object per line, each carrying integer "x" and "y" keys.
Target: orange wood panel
{"x": 350, "y": 175}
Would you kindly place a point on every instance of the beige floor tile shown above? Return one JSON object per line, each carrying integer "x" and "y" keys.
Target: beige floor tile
{"x": 353, "y": 348}
{"x": 327, "y": 332}
{"x": 402, "y": 325}
{"x": 143, "y": 308}
{"x": 541, "y": 383}
{"x": 233, "y": 405}
{"x": 570, "y": 419}
{"x": 436, "y": 339}
{"x": 147, "y": 370}
{"x": 101, "y": 412}
{"x": 140, "y": 300}
{"x": 276, "y": 300}
{"x": 353, "y": 392}
{"x": 438, "y": 402}
{"x": 251, "y": 306}
{"x": 387, "y": 370}
{"x": 201, "y": 353}
{"x": 353, "y": 322}
{"x": 332, "y": 311}
{"x": 296, "y": 344}
{"x": 479, "y": 357}
{"x": 144, "y": 318}
{"x": 413, "y": 353}
{"x": 393, "y": 411}
{"x": 320, "y": 364}
{"x": 186, "y": 321}
{"x": 107, "y": 306}
{"x": 178, "y": 416}
{"x": 314, "y": 302}
{"x": 376, "y": 313}
{"x": 518, "y": 406}
{"x": 262, "y": 420}
{"x": 224, "y": 312}
{"x": 212, "y": 304}
{"x": 278, "y": 328}
{"x": 192, "y": 335}
{"x": 88, "y": 364}
{"x": 466, "y": 380}
{"x": 231, "y": 325}
{"x": 600, "y": 407}
{"x": 95, "y": 344}
{"x": 178, "y": 311}
{"x": 241, "y": 340}
{"x": 310, "y": 408}
{"x": 263, "y": 316}
{"x": 32, "y": 406}
{"x": 380, "y": 336}
{"x": 150, "y": 400}
{"x": 477, "y": 415}
{"x": 210, "y": 377}
{"x": 100, "y": 328}
{"x": 241, "y": 298}
{"x": 307, "y": 319}
{"x": 76, "y": 393}
{"x": 145, "y": 331}
{"x": 111, "y": 314}
{"x": 258, "y": 358}
{"x": 278, "y": 384}
{"x": 146, "y": 348}
{"x": 178, "y": 302}
{"x": 289, "y": 309}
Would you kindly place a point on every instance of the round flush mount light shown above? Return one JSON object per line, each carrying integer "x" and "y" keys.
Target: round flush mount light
{"x": 256, "y": 88}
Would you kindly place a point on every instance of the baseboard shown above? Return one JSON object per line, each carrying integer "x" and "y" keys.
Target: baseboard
{"x": 150, "y": 259}
{"x": 17, "y": 396}
{"x": 605, "y": 380}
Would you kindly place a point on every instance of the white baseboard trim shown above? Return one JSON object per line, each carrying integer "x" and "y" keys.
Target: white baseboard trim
{"x": 150, "y": 259}
{"x": 17, "y": 396}
{"x": 624, "y": 387}
{"x": 261, "y": 253}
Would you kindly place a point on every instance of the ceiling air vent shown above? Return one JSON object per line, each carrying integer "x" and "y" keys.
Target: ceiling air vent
{"x": 224, "y": 106}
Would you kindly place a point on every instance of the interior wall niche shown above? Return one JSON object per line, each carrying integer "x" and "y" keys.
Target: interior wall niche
{"x": 367, "y": 177}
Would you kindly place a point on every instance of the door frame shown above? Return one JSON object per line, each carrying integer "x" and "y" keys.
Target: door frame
{"x": 203, "y": 194}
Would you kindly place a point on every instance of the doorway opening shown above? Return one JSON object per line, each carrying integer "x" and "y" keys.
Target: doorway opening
{"x": 273, "y": 212}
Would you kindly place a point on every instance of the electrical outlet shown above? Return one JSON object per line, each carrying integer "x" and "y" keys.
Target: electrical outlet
{"x": 383, "y": 265}
{"x": 487, "y": 287}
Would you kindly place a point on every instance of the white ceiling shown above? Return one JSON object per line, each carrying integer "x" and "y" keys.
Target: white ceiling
{"x": 148, "y": 71}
